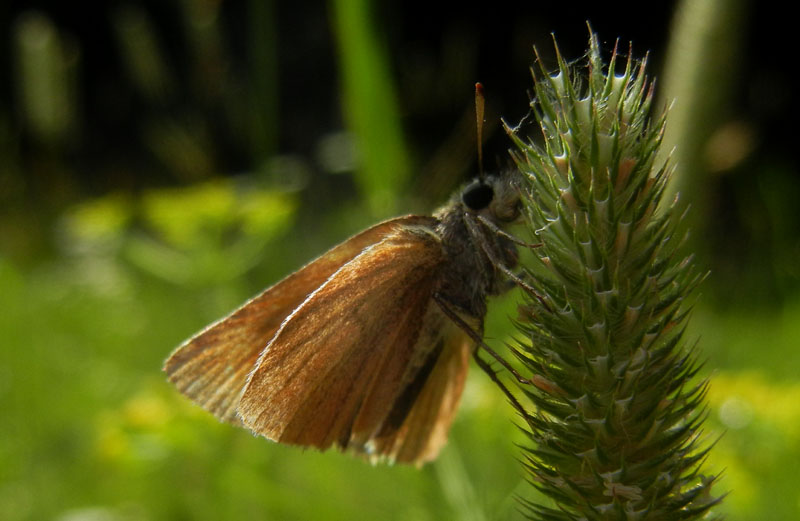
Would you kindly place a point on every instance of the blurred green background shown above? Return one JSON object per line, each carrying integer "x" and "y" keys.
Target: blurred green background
{"x": 160, "y": 162}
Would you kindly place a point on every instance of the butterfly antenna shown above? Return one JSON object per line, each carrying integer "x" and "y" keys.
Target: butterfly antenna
{"x": 479, "y": 110}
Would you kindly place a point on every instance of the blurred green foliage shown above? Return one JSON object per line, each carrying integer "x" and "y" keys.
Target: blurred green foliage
{"x": 101, "y": 278}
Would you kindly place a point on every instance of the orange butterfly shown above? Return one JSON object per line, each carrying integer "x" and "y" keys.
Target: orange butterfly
{"x": 367, "y": 347}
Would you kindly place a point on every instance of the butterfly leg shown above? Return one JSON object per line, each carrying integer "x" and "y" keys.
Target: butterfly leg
{"x": 508, "y": 285}
{"x": 483, "y": 364}
{"x": 479, "y": 238}
{"x": 502, "y": 233}
{"x": 457, "y": 320}
{"x": 493, "y": 375}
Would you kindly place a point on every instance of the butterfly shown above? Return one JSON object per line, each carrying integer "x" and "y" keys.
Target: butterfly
{"x": 367, "y": 347}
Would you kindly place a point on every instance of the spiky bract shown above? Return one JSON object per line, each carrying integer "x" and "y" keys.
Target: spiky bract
{"x": 617, "y": 416}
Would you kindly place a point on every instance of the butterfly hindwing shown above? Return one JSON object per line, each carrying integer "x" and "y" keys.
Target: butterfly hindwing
{"x": 425, "y": 427}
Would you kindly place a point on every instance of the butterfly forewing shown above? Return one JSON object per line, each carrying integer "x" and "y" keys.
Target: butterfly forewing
{"x": 343, "y": 361}
{"x": 212, "y": 367}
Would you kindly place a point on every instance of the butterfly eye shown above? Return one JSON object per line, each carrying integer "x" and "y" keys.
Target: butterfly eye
{"x": 477, "y": 195}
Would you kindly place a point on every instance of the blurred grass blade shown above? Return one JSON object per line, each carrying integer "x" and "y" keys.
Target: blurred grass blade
{"x": 370, "y": 104}
{"x": 457, "y": 486}
{"x": 702, "y": 60}
{"x": 47, "y": 61}
{"x": 264, "y": 72}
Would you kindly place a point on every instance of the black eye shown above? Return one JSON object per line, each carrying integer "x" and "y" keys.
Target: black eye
{"x": 477, "y": 195}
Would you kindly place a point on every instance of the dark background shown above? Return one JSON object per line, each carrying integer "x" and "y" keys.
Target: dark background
{"x": 216, "y": 93}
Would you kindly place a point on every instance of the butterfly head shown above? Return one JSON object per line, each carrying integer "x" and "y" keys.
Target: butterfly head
{"x": 496, "y": 197}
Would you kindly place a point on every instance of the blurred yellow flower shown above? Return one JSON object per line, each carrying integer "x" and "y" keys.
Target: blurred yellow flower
{"x": 744, "y": 397}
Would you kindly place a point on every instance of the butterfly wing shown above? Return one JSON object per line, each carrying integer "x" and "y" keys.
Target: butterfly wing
{"x": 424, "y": 431}
{"x": 212, "y": 367}
{"x": 352, "y": 366}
